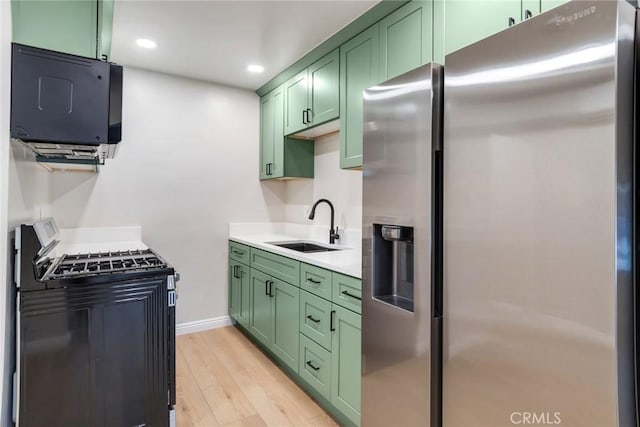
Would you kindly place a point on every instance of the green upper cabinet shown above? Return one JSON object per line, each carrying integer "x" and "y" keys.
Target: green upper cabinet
{"x": 550, "y": 4}
{"x": 80, "y": 27}
{"x": 324, "y": 89}
{"x": 530, "y": 8}
{"x": 105, "y": 28}
{"x": 296, "y": 106}
{"x": 359, "y": 60}
{"x": 398, "y": 43}
{"x": 405, "y": 39}
{"x": 267, "y": 135}
{"x": 468, "y": 21}
{"x": 312, "y": 97}
{"x": 281, "y": 157}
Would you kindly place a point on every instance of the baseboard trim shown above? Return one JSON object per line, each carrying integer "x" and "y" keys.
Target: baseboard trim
{"x": 203, "y": 325}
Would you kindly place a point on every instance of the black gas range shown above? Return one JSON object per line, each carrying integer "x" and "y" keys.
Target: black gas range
{"x": 98, "y": 328}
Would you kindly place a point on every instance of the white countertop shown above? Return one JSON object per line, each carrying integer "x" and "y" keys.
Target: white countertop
{"x": 347, "y": 261}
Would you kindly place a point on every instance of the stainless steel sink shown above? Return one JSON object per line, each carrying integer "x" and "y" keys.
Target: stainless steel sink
{"x": 303, "y": 246}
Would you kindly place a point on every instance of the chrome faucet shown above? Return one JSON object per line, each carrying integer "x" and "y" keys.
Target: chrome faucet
{"x": 333, "y": 234}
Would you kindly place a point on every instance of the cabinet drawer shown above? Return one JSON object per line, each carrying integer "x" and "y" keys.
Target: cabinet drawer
{"x": 277, "y": 266}
{"x": 315, "y": 318}
{"x": 347, "y": 292}
{"x": 315, "y": 366}
{"x": 315, "y": 280}
{"x": 239, "y": 252}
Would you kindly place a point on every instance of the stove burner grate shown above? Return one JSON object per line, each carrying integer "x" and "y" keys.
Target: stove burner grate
{"x": 106, "y": 263}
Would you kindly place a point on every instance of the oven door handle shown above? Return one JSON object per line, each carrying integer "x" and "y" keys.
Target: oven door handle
{"x": 171, "y": 353}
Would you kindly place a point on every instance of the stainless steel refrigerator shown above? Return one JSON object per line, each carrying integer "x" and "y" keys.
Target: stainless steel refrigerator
{"x": 539, "y": 258}
{"x": 505, "y": 246}
{"x": 401, "y": 132}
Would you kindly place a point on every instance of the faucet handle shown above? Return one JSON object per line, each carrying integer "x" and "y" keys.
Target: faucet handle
{"x": 336, "y": 236}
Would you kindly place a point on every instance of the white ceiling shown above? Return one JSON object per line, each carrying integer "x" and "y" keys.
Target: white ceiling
{"x": 216, "y": 40}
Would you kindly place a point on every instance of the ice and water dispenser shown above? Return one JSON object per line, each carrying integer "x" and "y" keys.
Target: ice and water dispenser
{"x": 393, "y": 264}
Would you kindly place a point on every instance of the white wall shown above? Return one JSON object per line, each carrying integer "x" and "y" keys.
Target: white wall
{"x": 186, "y": 167}
{"x": 342, "y": 187}
{"x": 5, "y": 81}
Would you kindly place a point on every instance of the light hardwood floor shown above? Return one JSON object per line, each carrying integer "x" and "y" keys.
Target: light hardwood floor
{"x": 224, "y": 380}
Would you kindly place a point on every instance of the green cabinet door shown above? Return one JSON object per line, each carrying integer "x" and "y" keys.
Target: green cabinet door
{"x": 530, "y": 8}
{"x": 358, "y": 71}
{"x": 281, "y": 157}
{"x": 267, "y": 135}
{"x": 239, "y": 293}
{"x": 295, "y": 98}
{"x": 324, "y": 89}
{"x": 285, "y": 343}
{"x": 405, "y": 39}
{"x": 277, "y": 168}
{"x": 64, "y": 26}
{"x": 235, "y": 282}
{"x": 345, "y": 362}
{"x": 105, "y": 28}
{"x": 244, "y": 309}
{"x": 550, "y": 4}
{"x": 261, "y": 315}
{"x": 468, "y": 21}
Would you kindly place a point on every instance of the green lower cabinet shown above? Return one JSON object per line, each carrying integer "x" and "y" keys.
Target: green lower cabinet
{"x": 274, "y": 316}
{"x": 347, "y": 292}
{"x": 310, "y": 332}
{"x": 345, "y": 362}
{"x": 315, "y": 280}
{"x": 240, "y": 276}
{"x": 315, "y": 318}
{"x": 278, "y": 266}
{"x": 234, "y": 290}
{"x": 358, "y": 71}
{"x": 261, "y": 315}
{"x": 286, "y": 303}
{"x": 315, "y": 366}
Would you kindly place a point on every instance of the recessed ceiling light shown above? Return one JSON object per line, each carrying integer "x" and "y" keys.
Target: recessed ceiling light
{"x": 146, "y": 43}
{"x": 255, "y": 68}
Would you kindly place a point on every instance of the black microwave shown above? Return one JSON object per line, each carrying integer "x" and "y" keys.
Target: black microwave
{"x": 57, "y": 98}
